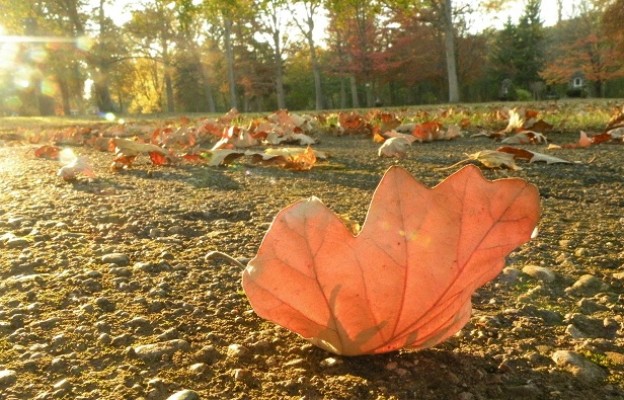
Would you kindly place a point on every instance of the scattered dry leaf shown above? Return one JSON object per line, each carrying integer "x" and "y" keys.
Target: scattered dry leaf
{"x": 48, "y": 152}
{"x": 394, "y": 147}
{"x": 532, "y": 156}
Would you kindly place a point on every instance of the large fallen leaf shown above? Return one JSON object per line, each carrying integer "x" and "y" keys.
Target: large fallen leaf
{"x": 406, "y": 280}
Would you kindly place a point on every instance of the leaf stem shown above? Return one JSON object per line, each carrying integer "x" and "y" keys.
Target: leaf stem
{"x": 219, "y": 254}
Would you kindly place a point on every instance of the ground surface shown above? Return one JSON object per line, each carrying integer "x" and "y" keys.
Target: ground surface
{"x": 73, "y": 315}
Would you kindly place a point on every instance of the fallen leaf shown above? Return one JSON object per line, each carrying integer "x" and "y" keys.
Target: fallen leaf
{"x": 407, "y": 279}
{"x": 532, "y": 156}
{"x": 48, "y": 152}
{"x": 131, "y": 148}
{"x": 394, "y": 147}
{"x": 427, "y": 131}
{"x": 394, "y": 134}
{"x": 223, "y": 156}
{"x": 584, "y": 140}
{"x": 80, "y": 165}
{"x": 525, "y": 137}
{"x": 494, "y": 159}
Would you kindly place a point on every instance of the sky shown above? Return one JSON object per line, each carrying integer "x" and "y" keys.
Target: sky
{"x": 117, "y": 11}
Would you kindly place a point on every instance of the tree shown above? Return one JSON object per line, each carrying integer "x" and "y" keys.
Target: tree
{"x": 518, "y": 52}
{"x": 152, "y": 28}
{"x": 271, "y": 23}
{"x": 305, "y": 24}
{"x": 580, "y": 48}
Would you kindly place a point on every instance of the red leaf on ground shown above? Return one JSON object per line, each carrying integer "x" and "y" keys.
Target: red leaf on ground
{"x": 49, "y": 152}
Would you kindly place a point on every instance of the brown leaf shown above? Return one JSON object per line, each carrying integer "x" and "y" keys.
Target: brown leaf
{"x": 532, "y": 156}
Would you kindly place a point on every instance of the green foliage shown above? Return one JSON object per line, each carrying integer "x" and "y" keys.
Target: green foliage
{"x": 518, "y": 49}
{"x": 523, "y": 95}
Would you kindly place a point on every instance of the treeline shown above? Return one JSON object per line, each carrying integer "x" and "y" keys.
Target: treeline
{"x": 260, "y": 55}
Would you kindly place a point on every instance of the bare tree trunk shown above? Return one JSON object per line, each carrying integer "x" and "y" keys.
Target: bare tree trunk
{"x": 229, "y": 56}
{"x": 279, "y": 70}
{"x": 343, "y": 94}
{"x": 355, "y": 101}
{"x": 102, "y": 93}
{"x": 316, "y": 68}
{"x": 449, "y": 47}
{"x": 167, "y": 75}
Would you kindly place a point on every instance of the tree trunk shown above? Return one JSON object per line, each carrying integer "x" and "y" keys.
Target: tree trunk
{"x": 449, "y": 47}
{"x": 64, "y": 87}
{"x": 343, "y": 94}
{"x": 279, "y": 71}
{"x": 355, "y": 101}
{"x": 229, "y": 56}
{"x": 316, "y": 68}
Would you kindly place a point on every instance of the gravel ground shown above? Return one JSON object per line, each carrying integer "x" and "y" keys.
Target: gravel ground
{"x": 106, "y": 293}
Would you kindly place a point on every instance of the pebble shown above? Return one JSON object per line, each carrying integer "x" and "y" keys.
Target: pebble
{"x": 582, "y": 326}
{"x": 540, "y": 273}
{"x": 579, "y": 366}
{"x": 7, "y": 377}
{"x": 509, "y": 275}
{"x": 236, "y": 350}
{"x": 116, "y": 258}
{"x": 105, "y": 304}
{"x": 198, "y": 368}
{"x": 586, "y": 285}
{"x": 184, "y": 395}
{"x": 242, "y": 375}
{"x": 155, "y": 351}
{"x": 331, "y": 362}
{"x": 17, "y": 242}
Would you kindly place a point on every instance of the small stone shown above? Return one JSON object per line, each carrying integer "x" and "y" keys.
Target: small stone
{"x": 105, "y": 304}
{"x": 242, "y": 375}
{"x": 465, "y": 396}
{"x": 586, "y": 285}
{"x": 122, "y": 340}
{"x": 509, "y": 275}
{"x": 207, "y": 354}
{"x": 579, "y": 366}
{"x": 47, "y": 323}
{"x": 116, "y": 258}
{"x": 540, "y": 273}
{"x": 184, "y": 395}
{"x": 155, "y": 351}
{"x": 331, "y": 362}
{"x": 105, "y": 339}
{"x": 17, "y": 242}
{"x": 236, "y": 350}
{"x": 198, "y": 368}
{"x": 63, "y": 384}
{"x": 7, "y": 377}
{"x": 588, "y": 306}
{"x": 589, "y": 327}
{"x": 169, "y": 334}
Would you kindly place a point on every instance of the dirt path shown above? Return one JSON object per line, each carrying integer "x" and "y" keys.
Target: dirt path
{"x": 105, "y": 292}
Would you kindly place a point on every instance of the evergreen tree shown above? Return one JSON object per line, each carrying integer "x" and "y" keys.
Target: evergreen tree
{"x": 518, "y": 53}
